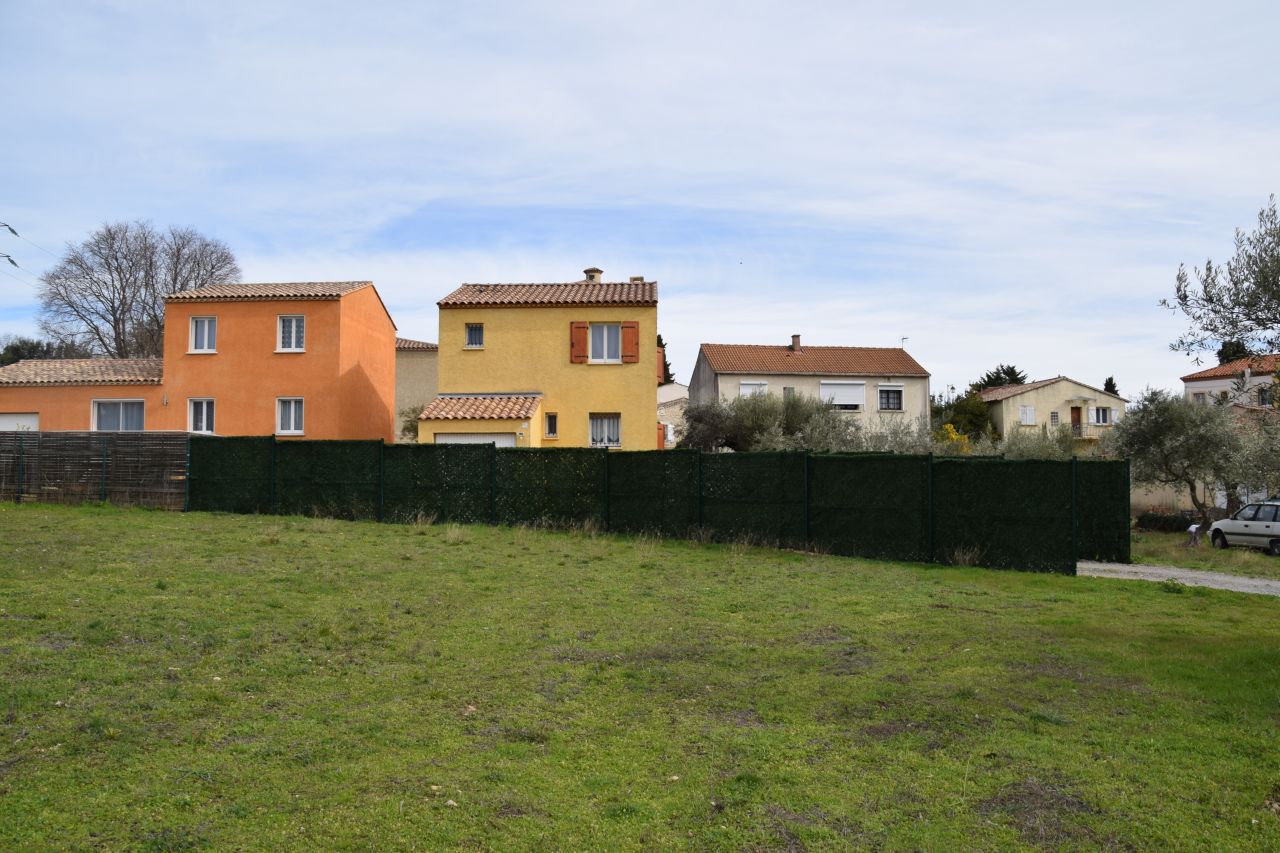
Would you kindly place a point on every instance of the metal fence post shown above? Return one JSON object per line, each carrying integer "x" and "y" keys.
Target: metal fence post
{"x": 1075, "y": 517}
{"x": 605, "y": 513}
{"x": 22, "y": 471}
{"x": 807, "y": 460}
{"x": 1126, "y": 511}
{"x": 699, "y": 458}
{"x": 493, "y": 488}
{"x": 186, "y": 479}
{"x": 102, "y": 489}
{"x": 382, "y": 446}
{"x": 274, "y": 507}
{"x": 929, "y": 510}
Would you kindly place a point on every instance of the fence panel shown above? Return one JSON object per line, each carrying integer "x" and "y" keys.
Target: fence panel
{"x": 757, "y": 496}
{"x": 447, "y": 482}
{"x": 231, "y": 474}
{"x": 1004, "y": 514}
{"x": 870, "y": 505}
{"x": 1102, "y": 508}
{"x": 561, "y": 486}
{"x": 653, "y": 491}
{"x": 335, "y": 479}
{"x": 125, "y": 468}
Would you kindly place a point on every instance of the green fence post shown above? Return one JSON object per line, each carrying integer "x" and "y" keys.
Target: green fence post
{"x": 929, "y": 511}
{"x": 1075, "y": 518}
{"x": 186, "y": 479}
{"x": 1126, "y": 510}
{"x": 381, "y": 469}
{"x": 493, "y": 488}
{"x": 102, "y": 489}
{"x": 807, "y": 460}
{"x": 605, "y": 514}
{"x": 274, "y": 508}
{"x": 699, "y": 457}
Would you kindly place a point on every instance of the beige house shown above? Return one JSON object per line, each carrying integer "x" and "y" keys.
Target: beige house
{"x": 1089, "y": 411}
{"x": 867, "y": 383}
{"x": 1245, "y": 382}
{"x": 416, "y": 376}
{"x": 672, "y": 400}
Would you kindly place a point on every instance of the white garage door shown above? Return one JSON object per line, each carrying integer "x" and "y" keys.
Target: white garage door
{"x": 499, "y": 439}
{"x": 19, "y": 420}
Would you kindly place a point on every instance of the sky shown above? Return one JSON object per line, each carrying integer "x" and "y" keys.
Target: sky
{"x": 995, "y": 183}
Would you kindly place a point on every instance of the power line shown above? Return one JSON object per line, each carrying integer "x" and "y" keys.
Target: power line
{"x": 25, "y": 240}
{"x": 16, "y": 278}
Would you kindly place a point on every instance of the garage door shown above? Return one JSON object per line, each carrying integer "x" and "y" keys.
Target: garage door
{"x": 499, "y": 439}
{"x": 19, "y": 420}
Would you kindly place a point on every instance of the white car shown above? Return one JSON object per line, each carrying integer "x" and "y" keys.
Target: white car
{"x": 1256, "y": 525}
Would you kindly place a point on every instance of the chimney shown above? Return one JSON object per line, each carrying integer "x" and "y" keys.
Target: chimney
{"x": 593, "y": 274}
{"x": 637, "y": 279}
{"x": 795, "y": 343}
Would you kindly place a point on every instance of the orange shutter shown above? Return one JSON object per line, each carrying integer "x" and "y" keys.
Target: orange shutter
{"x": 579, "y": 343}
{"x": 662, "y": 363}
{"x": 662, "y": 437}
{"x": 630, "y": 342}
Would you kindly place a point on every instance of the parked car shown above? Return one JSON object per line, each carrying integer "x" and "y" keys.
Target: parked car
{"x": 1256, "y": 525}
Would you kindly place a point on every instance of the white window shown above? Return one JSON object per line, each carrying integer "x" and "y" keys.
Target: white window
{"x": 890, "y": 397}
{"x": 1101, "y": 415}
{"x": 606, "y": 343}
{"x": 845, "y": 396}
{"x": 200, "y": 415}
{"x": 117, "y": 415}
{"x": 289, "y": 416}
{"x": 291, "y": 333}
{"x": 606, "y": 430}
{"x": 204, "y": 334}
{"x": 746, "y": 389}
{"x": 1200, "y": 398}
{"x": 1053, "y": 419}
{"x": 475, "y": 336}
{"x": 1027, "y": 415}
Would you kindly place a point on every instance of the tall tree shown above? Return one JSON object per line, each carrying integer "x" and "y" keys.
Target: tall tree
{"x": 107, "y": 294}
{"x": 1173, "y": 442}
{"x": 1232, "y": 351}
{"x": 667, "y": 376}
{"x": 1236, "y": 302}
{"x": 1003, "y": 374}
{"x": 1110, "y": 386}
{"x": 14, "y": 348}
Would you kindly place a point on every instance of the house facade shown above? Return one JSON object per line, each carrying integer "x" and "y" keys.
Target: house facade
{"x": 1244, "y": 382}
{"x": 547, "y": 365}
{"x": 302, "y": 359}
{"x": 417, "y": 375}
{"x": 1089, "y": 411}
{"x": 866, "y": 383}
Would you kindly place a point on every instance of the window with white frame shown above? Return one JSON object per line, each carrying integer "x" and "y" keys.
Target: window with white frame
{"x": 474, "y": 336}
{"x": 1053, "y": 419}
{"x": 747, "y": 389}
{"x": 1200, "y": 398}
{"x": 890, "y": 397}
{"x": 1027, "y": 415}
{"x": 204, "y": 334}
{"x": 606, "y": 430}
{"x": 606, "y": 343}
{"x": 118, "y": 415}
{"x": 1102, "y": 416}
{"x": 845, "y": 396}
{"x": 291, "y": 338}
{"x": 289, "y": 416}
{"x": 200, "y": 415}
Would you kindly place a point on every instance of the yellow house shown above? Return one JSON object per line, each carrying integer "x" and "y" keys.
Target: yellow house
{"x": 547, "y": 365}
{"x": 1089, "y": 411}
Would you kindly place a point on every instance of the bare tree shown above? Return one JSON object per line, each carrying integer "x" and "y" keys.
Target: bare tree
{"x": 107, "y": 294}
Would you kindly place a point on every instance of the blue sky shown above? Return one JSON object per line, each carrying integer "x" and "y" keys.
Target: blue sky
{"x": 997, "y": 183}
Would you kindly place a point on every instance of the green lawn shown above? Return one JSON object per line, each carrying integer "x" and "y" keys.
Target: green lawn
{"x": 179, "y": 681}
{"x": 1170, "y": 549}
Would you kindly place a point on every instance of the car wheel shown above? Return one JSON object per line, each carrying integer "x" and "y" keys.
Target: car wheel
{"x": 1274, "y": 548}
{"x": 1219, "y": 540}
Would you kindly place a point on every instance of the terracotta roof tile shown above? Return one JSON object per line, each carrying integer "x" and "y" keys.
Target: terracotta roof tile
{"x": 573, "y": 293}
{"x": 84, "y": 371}
{"x": 263, "y": 291}
{"x": 816, "y": 361}
{"x": 451, "y": 407}
{"x": 1003, "y": 392}
{"x": 1257, "y": 364}
{"x": 407, "y": 344}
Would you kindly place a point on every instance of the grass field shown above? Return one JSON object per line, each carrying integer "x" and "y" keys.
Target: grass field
{"x": 1170, "y": 549}
{"x": 181, "y": 681}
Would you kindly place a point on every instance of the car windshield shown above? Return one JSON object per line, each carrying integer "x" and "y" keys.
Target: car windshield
{"x": 1247, "y": 513}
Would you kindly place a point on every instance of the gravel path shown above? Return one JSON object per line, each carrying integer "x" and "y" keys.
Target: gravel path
{"x": 1190, "y": 577}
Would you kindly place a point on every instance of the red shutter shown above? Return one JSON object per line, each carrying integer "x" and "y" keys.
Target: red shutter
{"x": 579, "y": 343}
{"x": 662, "y": 437}
{"x": 630, "y": 342}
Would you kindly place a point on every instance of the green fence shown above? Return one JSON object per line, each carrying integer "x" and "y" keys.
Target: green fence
{"x": 1031, "y": 515}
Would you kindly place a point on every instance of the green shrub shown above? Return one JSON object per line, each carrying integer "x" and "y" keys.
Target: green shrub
{"x": 1163, "y": 522}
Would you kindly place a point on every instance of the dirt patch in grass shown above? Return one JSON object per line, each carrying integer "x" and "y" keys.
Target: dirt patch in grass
{"x": 663, "y": 653}
{"x": 784, "y": 823}
{"x": 825, "y": 636}
{"x": 1045, "y": 813}
{"x": 1053, "y": 667}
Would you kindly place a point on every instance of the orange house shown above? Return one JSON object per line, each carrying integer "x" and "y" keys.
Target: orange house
{"x": 304, "y": 359}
